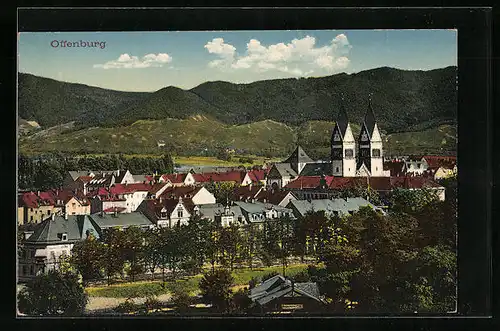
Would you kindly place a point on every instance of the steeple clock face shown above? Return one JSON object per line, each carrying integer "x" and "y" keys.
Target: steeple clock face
{"x": 336, "y": 137}
{"x": 364, "y": 136}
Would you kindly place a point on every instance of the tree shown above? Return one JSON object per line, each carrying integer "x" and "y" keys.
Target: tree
{"x": 86, "y": 258}
{"x": 221, "y": 190}
{"x": 230, "y": 244}
{"x": 113, "y": 257}
{"x": 133, "y": 249}
{"x": 53, "y": 293}
{"x": 241, "y": 302}
{"x": 152, "y": 250}
{"x": 215, "y": 287}
{"x": 249, "y": 243}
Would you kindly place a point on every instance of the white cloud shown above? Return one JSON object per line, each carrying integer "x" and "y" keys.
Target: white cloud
{"x": 299, "y": 57}
{"x": 133, "y": 62}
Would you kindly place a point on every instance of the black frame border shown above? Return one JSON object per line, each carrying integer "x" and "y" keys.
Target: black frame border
{"x": 474, "y": 114}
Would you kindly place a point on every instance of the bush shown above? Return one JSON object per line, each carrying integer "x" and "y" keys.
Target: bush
{"x": 215, "y": 288}
{"x": 181, "y": 298}
{"x": 301, "y": 277}
{"x": 269, "y": 275}
{"x": 53, "y": 293}
{"x": 126, "y": 307}
{"x": 152, "y": 303}
{"x": 241, "y": 302}
{"x": 253, "y": 282}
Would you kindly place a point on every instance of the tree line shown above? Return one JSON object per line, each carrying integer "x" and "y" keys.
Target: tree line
{"x": 47, "y": 171}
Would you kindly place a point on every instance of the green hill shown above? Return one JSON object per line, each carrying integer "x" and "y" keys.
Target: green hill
{"x": 402, "y": 100}
{"x": 202, "y": 135}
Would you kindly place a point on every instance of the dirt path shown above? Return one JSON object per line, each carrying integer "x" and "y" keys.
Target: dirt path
{"x": 99, "y": 303}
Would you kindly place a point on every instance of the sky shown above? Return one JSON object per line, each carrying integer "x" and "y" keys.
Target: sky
{"x": 149, "y": 61}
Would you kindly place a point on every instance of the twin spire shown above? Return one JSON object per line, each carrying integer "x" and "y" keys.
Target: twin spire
{"x": 343, "y": 120}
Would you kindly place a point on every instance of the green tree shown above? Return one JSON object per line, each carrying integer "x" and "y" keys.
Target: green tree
{"x": 152, "y": 250}
{"x": 230, "y": 243}
{"x": 133, "y": 249}
{"x": 53, "y": 293}
{"x": 86, "y": 258}
{"x": 113, "y": 258}
{"x": 215, "y": 288}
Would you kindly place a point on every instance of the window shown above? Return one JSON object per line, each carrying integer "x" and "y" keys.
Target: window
{"x": 376, "y": 168}
{"x": 73, "y": 213}
{"x": 365, "y": 152}
{"x": 418, "y": 165}
{"x": 163, "y": 214}
{"x": 31, "y": 209}
{"x": 376, "y": 152}
{"x": 31, "y": 218}
{"x": 64, "y": 237}
{"x": 349, "y": 153}
{"x": 337, "y": 169}
{"x": 48, "y": 212}
{"x": 179, "y": 213}
{"x": 73, "y": 205}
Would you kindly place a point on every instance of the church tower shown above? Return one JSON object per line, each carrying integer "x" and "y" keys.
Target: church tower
{"x": 343, "y": 146}
{"x": 370, "y": 146}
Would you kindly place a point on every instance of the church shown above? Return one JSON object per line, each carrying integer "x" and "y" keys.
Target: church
{"x": 348, "y": 157}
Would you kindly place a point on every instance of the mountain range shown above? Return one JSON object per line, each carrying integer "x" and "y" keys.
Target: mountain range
{"x": 403, "y": 101}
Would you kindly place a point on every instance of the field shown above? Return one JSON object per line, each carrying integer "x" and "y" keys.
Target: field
{"x": 197, "y": 138}
{"x": 190, "y": 284}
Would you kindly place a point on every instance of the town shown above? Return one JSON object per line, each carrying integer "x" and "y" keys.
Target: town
{"x": 282, "y": 216}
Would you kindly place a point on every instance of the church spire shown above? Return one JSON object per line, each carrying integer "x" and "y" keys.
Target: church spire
{"x": 342, "y": 119}
{"x": 370, "y": 120}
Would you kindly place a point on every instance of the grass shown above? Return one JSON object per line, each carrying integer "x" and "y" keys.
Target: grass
{"x": 213, "y": 161}
{"x": 189, "y": 284}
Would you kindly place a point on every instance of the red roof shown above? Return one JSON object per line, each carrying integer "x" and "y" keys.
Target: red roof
{"x": 30, "y": 200}
{"x": 242, "y": 193}
{"x": 434, "y": 161}
{"x": 376, "y": 183}
{"x": 229, "y": 176}
{"x": 200, "y": 178}
{"x": 272, "y": 196}
{"x": 85, "y": 179}
{"x": 180, "y": 191}
{"x": 113, "y": 209}
{"x": 174, "y": 178}
{"x": 256, "y": 175}
{"x": 309, "y": 182}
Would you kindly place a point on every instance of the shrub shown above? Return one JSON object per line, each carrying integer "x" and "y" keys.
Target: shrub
{"x": 269, "y": 275}
{"x": 253, "y": 282}
{"x": 181, "y": 298}
{"x": 215, "y": 288}
{"x": 125, "y": 307}
{"x": 301, "y": 277}
{"x": 241, "y": 302}
{"x": 152, "y": 303}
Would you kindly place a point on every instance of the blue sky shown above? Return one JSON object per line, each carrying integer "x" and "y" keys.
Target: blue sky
{"x": 148, "y": 61}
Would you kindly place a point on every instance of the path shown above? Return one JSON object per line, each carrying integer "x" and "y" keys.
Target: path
{"x": 99, "y": 303}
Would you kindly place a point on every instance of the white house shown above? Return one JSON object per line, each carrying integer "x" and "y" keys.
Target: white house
{"x": 50, "y": 240}
{"x": 198, "y": 195}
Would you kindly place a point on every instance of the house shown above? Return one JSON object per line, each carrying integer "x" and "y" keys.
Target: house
{"x": 276, "y": 197}
{"x": 382, "y": 185}
{"x": 51, "y": 239}
{"x": 279, "y": 294}
{"x": 331, "y": 207}
{"x": 35, "y": 208}
{"x": 415, "y": 165}
{"x": 179, "y": 179}
{"x": 246, "y": 193}
{"x": 198, "y": 195}
{"x": 103, "y": 221}
{"x": 77, "y": 205}
{"x": 235, "y": 177}
{"x": 258, "y": 212}
{"x": 315, "y": 187}
{"x": 254, "y": 177}
{"x": 280, "y": 175}
{"x": 168, "y": 212}
{"x": 443, "y": 172}
{"x": 395, "y": 167}
{"x": 224, "y": 215}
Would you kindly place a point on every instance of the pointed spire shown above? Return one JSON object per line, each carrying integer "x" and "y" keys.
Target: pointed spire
{"x": 342, "y": 119}
{"x": 370, "y": 120}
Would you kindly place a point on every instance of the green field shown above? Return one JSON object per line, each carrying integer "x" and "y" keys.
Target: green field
{"x": 198, "y": 134}
{"x": 146, "y": 288}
